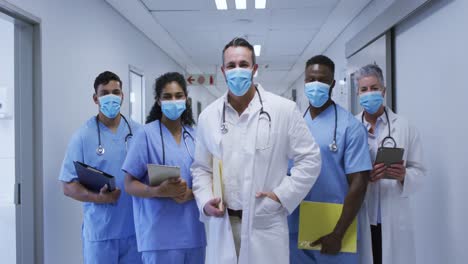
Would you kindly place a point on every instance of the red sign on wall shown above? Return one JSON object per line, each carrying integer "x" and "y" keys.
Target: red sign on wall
{"x": 200, "y": 79}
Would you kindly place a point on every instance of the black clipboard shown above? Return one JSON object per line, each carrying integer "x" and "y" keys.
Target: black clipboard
{"x": 92, "y": 178}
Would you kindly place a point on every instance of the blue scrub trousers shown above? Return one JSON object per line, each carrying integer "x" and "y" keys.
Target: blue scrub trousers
{"x": 113, "y": 251}
{"x": 300, "y": 256}
{"x": 175, "y": 256}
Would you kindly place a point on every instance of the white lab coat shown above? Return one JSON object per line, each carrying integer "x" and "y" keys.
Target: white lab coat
{"x": 397, "y": 232}
{"x": 264, "y": 237}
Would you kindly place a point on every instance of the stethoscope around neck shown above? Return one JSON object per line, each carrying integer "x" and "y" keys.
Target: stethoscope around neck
{"x": 389, "y": 137}
{"x": 100, "y": 149}
{"x": 224, "y": 128}
{"x": 185, "y": 135}
{"x": 333, "y": 146}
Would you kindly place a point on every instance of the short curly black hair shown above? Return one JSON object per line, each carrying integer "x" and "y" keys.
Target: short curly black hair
{"x": 161, "y": 82}
{"x": 104, "y": 78}
{"x": 322, "y": 60}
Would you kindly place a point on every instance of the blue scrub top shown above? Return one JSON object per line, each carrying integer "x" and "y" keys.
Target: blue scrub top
{"x": 352, "y": 156}
{"x": 102, "y": 221}
{"x": 162, "y": 223}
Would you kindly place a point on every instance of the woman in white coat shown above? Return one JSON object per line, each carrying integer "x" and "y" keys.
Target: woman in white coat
{"x": 390, "y": 187}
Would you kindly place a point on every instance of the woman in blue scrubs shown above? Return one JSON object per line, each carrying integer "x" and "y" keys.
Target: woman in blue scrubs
{"x": 166, "y": 216}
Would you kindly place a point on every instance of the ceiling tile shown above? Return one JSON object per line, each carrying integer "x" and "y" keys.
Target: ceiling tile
{"x": 284, "y": 29}
{"x": 213, "y": 20}
{"x": 288, "y": 42}
{"x": 305, "y": 18}
{"x": 158, "y": 5}
{"x": 299, "y": 4}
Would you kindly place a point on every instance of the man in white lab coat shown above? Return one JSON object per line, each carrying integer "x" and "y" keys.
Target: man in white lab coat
{"x": 254, "y": 133}
{"x": 389, "y": 187}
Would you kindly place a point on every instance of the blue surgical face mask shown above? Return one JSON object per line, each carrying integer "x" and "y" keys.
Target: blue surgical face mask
{"x": 239, "y": 80}
{"x": 317, "y": 93}
{"x": 173, "y": 109}
{"x": 110, "y": 105}
{"x": 371, "y": 101}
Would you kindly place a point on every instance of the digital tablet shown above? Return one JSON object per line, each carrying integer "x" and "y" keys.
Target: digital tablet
{"x": 389, "y": 156}
{"x": 159, "y": 173}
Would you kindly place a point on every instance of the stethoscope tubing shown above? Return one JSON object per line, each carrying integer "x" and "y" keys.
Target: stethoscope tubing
{"x": 333, "y": 146}
{"x": 224, "y": 128}
{"x": 185, "y": 134}
{"x": 389, "y": 137}
{"x": 100, "y": 149}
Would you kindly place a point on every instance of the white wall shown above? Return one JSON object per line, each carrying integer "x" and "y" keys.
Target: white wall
{"x": 7, "y": 139}
{"x": 202, "y": 95}
{"x": 79, "y": 40}
{"x": 336, "y": 52}
{"x": 431, "y": 69}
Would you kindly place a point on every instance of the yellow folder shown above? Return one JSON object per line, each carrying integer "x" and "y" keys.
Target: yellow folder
{"x": 218, "y": 186}
{"x": 319, "y": 219}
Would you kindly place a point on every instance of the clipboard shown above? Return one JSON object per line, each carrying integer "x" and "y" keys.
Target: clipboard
{"x": 92, "y": 178}
{"x": 319, "y": 219}
{"x": 159, "y": 173}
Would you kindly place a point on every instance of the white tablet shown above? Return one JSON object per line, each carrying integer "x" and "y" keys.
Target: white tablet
{"x": 159, "y": 173}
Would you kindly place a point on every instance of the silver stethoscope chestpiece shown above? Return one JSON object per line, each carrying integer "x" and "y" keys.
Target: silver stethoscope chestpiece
{"x": 224, "y": 129}
{"x": 333, "y": 147}
{"x": 100, "y": 150}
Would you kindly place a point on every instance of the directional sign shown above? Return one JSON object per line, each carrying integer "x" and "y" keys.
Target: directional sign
{"x": 200, "y": 79}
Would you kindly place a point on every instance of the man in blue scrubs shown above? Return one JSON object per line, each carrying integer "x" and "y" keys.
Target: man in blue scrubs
{"x": 108, "y": 231}
{"x": 345, "y": 165}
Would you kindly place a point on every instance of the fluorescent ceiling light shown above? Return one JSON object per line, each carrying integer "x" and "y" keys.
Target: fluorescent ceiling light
{"x": 257, "y": 49}
{"x": 221, "y": 4}
{"x": 260, "y": 4}
{"x": 241, "y": 4}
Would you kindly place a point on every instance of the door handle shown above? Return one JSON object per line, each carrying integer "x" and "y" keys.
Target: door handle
{"x": 17, "y": 194}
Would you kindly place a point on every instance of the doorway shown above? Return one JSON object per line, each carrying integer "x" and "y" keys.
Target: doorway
{"x": 20, "y": 137}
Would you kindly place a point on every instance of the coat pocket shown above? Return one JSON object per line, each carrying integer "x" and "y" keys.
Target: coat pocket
{"x": 268, "y": 213}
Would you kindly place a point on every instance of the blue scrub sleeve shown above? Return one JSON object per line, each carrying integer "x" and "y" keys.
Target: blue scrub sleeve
{"x": 357, "y": 154}
{"x": 74, "y": 153}
{"x": 290, "y": 165}
{"x": 136, "y": 160}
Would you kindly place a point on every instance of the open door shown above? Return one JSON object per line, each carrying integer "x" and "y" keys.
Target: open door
{"x": 20, "y": 118}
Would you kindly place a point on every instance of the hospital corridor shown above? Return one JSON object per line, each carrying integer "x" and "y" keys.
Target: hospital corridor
{"x": 233, "y": 131}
